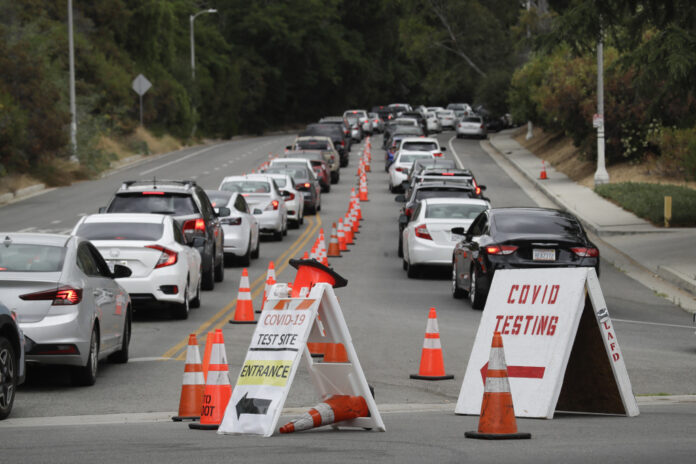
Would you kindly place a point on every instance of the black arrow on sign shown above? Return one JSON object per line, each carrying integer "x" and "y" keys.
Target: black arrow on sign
{"x": 252, "y": 405}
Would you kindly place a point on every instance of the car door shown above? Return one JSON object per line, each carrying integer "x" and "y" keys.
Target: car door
{"x": 467, "y": 250}
{"x": 241, "y": 205}
{"x": 193, "y": 258}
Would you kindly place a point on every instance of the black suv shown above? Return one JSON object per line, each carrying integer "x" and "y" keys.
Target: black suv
{"x": 191, "y": 209}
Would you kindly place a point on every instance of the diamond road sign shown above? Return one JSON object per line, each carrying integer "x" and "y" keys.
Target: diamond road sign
{"x": 141, "y": 85}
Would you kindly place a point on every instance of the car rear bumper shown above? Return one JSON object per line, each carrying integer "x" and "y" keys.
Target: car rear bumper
{"x": 158, "y": 284}
{"x": 45, "y": 336}
{"x": 431, "y": 253}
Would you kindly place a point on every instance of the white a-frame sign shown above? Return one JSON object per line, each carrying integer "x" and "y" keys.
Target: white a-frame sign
{"x": 284, "y": 328}
{"x": 560, "y": 346}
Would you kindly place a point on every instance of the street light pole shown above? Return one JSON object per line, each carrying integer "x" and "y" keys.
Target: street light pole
{"x": 601, "y": 175}
{"x": 192, "y": 18}
{"x": 71, "y": 61}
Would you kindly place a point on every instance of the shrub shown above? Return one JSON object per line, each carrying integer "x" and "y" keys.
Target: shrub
{"x": 647, "y": 201}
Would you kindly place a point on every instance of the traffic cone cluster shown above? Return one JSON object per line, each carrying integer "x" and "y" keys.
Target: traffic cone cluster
{"x": 432, "y": 365}
{"x": 244, "y": 310}
{"x": 497, "y": 420}
{"x": 337, "y": 408}
{"x": 217, "y": 390}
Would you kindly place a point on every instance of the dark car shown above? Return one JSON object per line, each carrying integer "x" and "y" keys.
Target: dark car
{"x": 394, "y": 128}
{"x": 449, "y": 175}
{"x": 428, "y": 190}
{"x": 191, "y": 209}
{"x": 305, "y": 182}
{"x": 12, "y": 364}
{"x": 337, "y": 132}
{"x": 513, "y": 238}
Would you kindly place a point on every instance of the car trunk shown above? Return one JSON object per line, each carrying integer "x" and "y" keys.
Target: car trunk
{"x": 546, "y": 250}
{"x": 15, "y": 284}
{"x": 133, "y": 254}
{"x": 441, "y": 230}
{"x": 257, "y": 200}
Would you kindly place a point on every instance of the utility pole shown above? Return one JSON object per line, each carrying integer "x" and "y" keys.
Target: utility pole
{"x": 601, "y": 175}
{"x": 192, "y": 18}
{"x": 73, "y": 111}
{"x": 530, "y": 126}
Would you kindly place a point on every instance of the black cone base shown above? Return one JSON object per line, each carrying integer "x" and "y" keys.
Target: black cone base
{"x": 199, "y": 426}
{"x": 184, "y": 418}
{"x": 496, "y": 436}
{"x": 232, "y": 321}
{"x": 427, "y": 377}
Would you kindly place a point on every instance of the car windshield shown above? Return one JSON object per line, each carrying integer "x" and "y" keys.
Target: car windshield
{"x": 312, "y": 145}
{"x": 323, "y": 129}
{"x": 352, "y": 119}
{"x": 18, "y": 257}
{"x": 411, "y": 157}
{"x": 442, "y": 193}
{"x": 419, "y": 146}
{"x": 247, "y": 186}
{"x": 154, "y": 202}
{"x": 541, "y": 224}
{"x": 120, "y": 231}
{"x": 453, "y": 211}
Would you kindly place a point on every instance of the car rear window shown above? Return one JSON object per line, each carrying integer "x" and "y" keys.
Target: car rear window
{"x": 120, "y": 231}
{"x": 297, "y": 174}
{"x": 472, "y": 119}
{"x": 442, "y": 193}
{"x": 311, "y": 145}
{"x": 17, "y": 257}
{"x": 218, "y": 199}
{"x": 442, "y": 114}
{"x": 411, "y": 157}
{"x": 159, "y": 202}
{"x": 542, "y": 224}
{"x": 453, "y": 211}
{"x": 247, "y": 186}
{"x": 419, "y": 146}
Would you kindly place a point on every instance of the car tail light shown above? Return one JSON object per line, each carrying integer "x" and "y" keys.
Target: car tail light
{"x": 447, "y": 173}
{"x": 273, "y": 205}
{"x": 153, "y": 193}
{"x": 586, "y": 252}
{"x": 343, "y": 143}
{"x": 408, "y": 212}
{"x": 437, "y": 155}
{"x": 422, "y": 232}
{"x": 402, "y": 169}
{"x": 477, "y": 189}
{"x": 61, "y": 296}
{"x": 290, "y": 197}
{"x": 167, "y": 258}
{"x": 230, "y": 221}
{"x": 481, "y": 127}
{"x": 194, "y": 226}
{"x": 501, "y": 249}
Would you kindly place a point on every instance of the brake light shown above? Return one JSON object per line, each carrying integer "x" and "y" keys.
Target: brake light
{"x": 167, "y": 258}
{"x": 194, "y": 225}
{"x": 585, "y": 252}
{"x": 447, "y": 173}
{"x": 343, "y": 143}
{"x": 61, "y": 296}
{"x": 408, "y": 212}
{"x": 401, "y": 169}
{"x": 478, "y": 190}
{"x": 231, "y": 221}
{"x": 290, "y": 197}
{"x": 273, "y": 205}
{"x": 422, "y": 232}
{"x": 500, "y": 249}
{"x": 481, "y": 126}
{"x": 153, "y": 193}
{"x": 437, "y": 155}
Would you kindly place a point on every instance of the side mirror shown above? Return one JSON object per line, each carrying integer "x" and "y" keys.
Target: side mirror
{"x": 223, "y": 211}
{"x": 482, "y": 187}
{"x": 197, "y": 242}
{"x": 257, "y": 211}
{"x": 285, "y": 193}
{"x": 458, "y": 230}
{"x": 400, "y": 199}
{"x": 288, "y": 147}
{"x": 403, "y": 219}
{"x": 443, "y": 148}
{"x": 102, "y": 209}
{"x": 121, "y": 271}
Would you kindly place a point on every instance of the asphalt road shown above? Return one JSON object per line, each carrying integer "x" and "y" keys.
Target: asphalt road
{"x": 386, "y": 314}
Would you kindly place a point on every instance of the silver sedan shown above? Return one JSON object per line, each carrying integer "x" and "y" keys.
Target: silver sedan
{"x": 67, "y": 302}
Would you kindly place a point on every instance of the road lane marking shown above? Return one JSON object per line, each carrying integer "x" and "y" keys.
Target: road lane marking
{"x": 454, "y": 152}
{"x": 256, "y": 286}
{"x": 662, "y": 324}
{"x": 178, "y": 160}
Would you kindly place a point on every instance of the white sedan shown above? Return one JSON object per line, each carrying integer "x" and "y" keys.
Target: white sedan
{"x": 471, "y": 126}
{"x": 398, "y": 170}
{"x": 293, "y": 198}
{"x": 422, "y": 144}
{"x": 428, "y": 238}
{"x": 166, "y": 271}
{"x": 241, "y": 241}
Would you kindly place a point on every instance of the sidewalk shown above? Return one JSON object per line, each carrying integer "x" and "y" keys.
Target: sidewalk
{"x": 668, "y": 253}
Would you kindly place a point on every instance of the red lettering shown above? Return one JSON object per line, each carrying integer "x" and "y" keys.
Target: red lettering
{"x": 517, "y": 325}
{"x": 615, "y": 356}
{"x": 609, "y": 336}
{"x": 526, "y": 327}
{"x": 512, "y": 290}
{"x": 497, "y": 324}
{"x": 546, "y": 287}
{"x": 612, "y": 346}
{"x": 543, "y": 320}
{"x": 537, "y": 289}
{"x": 553, "y": 295}
{"x": 524, "y": 294}
{"x": 606, "y": 325}
{"x": 552, "y": 325}
{"x": 506, "y": 325}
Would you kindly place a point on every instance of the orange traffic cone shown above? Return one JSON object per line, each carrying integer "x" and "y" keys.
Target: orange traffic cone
{"x": 354, "y": 220}
{"x": 192, "y": 387}
{"x": 244, "y": 311}
{"x": 335, "y": 353}
{"x": 217, "y": 389}
{"x": 432, "y": 365}
{"x": 357, "y": 206}
{"x": 363, "y": 191}
{"x": 342, "y": 244}
{"x": 497, "y": 420}
{"x": 269, "y": 283}
{"x": 542, "y": 175}
{"x": 208, "y": 350}
{"x": 348, "y": 229}
{"x": 337, "y": 408}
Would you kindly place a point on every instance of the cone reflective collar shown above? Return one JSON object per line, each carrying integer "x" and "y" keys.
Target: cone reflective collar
{"x": 432, "y": 365}
{"x": 244, "y": 310}
{"x": 334, "y": 248}
{"x": 497, "y": 420}
{"x": 310, "y": 272}
{"x": 193, "y": 384}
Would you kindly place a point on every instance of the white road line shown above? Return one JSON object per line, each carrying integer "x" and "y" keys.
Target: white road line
{"x": 178, "y": 160}
{"x": 655, "y": 323}
{"x": 205, "y": 173}
{"x": 57, "y": 221}
{"x": 148, "y": 359}
{"x": 28, "y": 229}
{"x": 454, "y": 152}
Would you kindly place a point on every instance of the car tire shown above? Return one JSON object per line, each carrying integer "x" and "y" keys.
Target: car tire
{"x": 180, "y": 311}
{"x": 459, "y": 136}
{"x": 285, "y": 229}
{"x": 121, "y": 356}
{"x": 301, "y": 220}
{"x": 196, "y": 302}
{"x": 219, "y": 271}
{"x": 208, "y": 280}
{"x": 400, "y": 248}
{"x": 318, "y": 208}
{"x": 310, "y": 210}
{"x": 412, "y": 271}
{"x": 256, "y": 252}
{"x": 457, "y": 292}
{"x": 86, "y": 375}
{"x": 477, "y": 296}
{"x": 404, "y": 264}
{"x": 278, "y": 235}
{"x": 335, "y": 177}
{"x": 9, "y": 371}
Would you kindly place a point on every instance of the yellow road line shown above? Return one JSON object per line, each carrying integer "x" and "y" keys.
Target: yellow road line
{"x": 256, "y": 288}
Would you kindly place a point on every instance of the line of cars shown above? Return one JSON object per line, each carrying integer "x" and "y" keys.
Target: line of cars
{"x": 69, "y": 300}
{"x": 446, "y": 221}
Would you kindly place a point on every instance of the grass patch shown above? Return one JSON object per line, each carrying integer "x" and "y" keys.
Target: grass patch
{"x": 647, "y": 201}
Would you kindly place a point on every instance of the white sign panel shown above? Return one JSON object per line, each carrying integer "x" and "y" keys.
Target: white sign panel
{"x": 141, "y": 85}
{"x": 538, "y": 313}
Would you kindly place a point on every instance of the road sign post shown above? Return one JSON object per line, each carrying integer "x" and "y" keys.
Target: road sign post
{"x": 140, "y": 86}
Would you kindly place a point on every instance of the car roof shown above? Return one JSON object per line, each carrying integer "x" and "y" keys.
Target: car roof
{"x": 126, "y": 217}
{"x": 290, "y": 159}
{"x": 471, "y": 201}
{"x": 532, "y": 211}
{"x": 247, "y": 177}
{"x": 437, "y": 184}
{"x": 419, "y": 139}
{"x": 157, "y": 184}
{"x": 313, "y": 137}
{"x": 35, "y": 238}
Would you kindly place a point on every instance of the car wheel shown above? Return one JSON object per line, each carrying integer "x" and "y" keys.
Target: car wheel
{"x": 456, "y": 291}
{"x": 404, "y": 264}
{"x": 181, "y": 310}
{"x": 255, "y": 253}
{"x": 208, "y": 280}
{"x": 335, "y": 177}
{"x": 476, "y": 295}
{"x": 310, "y": 210}
{"x": 245, "y": 259}
{"x": 459, "y": 136}
{"x": 278, "y": 235}
{"x": 121, "y": 356}
{"x": 87, "y": 375}
{"x": 301, "y": 219}
{"x": 412, "y": 271}
{"x": 392, "y": 189}
{"x": 219, "y": 273}
{"x": 8, "y": 377}
{"x": 318, "y": 208}
{"x": 196, "y": 302}
{"x": 285, "y": 229}
{"x": 400, "y": 249}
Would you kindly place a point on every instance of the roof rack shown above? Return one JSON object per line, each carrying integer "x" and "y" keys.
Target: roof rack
{"x": 185, "y": 182}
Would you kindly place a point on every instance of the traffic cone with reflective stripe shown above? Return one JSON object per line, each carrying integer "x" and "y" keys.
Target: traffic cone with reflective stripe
{"x": 193, "y": 385}
{"x": 206, "y": 354}
{"x": 244, "y": 311}
{"x": 357, "y": 206}
{"x": 217, "y": 389}
{"x": 334, "y": 248}
{"x": 337, "y": 408}
{"x": 432, "y": 365}
{"x": 543, "y": 175}
{"x": 348, "y": 229}
{"x": 335, "y": 353}
{"x": 363, "y": 191}
{"x": 497, "y": 420}
{"x": 342, "y": 237}
{"x": 355, "y": 221}
{"x": 269, "y": 283}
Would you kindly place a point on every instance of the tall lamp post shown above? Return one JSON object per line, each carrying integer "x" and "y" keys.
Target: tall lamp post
{"x": 601, "y": 175}
{"x": 71, "y": 61}
{"x": 192, "y": 18}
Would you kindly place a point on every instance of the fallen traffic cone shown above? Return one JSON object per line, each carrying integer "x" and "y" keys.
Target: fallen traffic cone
{"x": 316, "y": 350}
{"x": 193, "y": 385}
{"x": 337, "y": 408}
{"x": 497, "y": 420}
{"x": 217, "y": 389}
{"x": 335, "y": 353}
{"x": 244, "y": 311}
{"x": 432, "y": 365}
{"x": 310, "y": 272}
{"x": 542, "y": 175}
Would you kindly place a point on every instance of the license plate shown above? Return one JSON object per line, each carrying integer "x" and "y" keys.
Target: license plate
{"x": 543, "y": 254}
{"x": 456, "y": 237}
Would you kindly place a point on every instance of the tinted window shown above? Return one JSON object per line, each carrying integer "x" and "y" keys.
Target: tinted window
{"x": 452, "y": 193}
{"x": 178, "y": 234}
{"x": 241, "y": 205}
{"x": 419, "y": 146}
{"x": 543, "y": 224}
{"x": 453, "y": 211}
{"x": 247, "y": 186}
{"x": 120, "y": 231}
{"x": 31, "y": 258}
{"x": 472, "y": 119}
{"x": 218, "y": 199}
{"x": 167, "y": 203}
{"x": 280, "y": 182}
{"x": 102, "y": 268}
{"x": 410, "y": 158}
{"x": 85, "y": 261}
{"x": 297, "y": 174}
{"x": 311, "y": 145}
